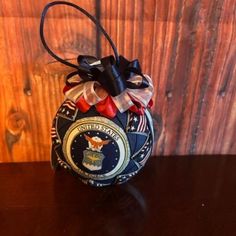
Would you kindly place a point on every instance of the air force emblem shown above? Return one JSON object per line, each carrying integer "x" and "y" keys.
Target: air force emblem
{"x": 96, "y": 148}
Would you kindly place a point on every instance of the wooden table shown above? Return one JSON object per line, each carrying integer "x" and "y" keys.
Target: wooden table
{"x": 171, "y": 196}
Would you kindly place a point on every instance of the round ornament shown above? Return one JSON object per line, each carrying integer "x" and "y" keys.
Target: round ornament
{"x": 99, "y": 150}
{"x": 103, "y": 131}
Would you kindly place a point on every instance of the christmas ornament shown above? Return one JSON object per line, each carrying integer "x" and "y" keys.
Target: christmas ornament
{"x": 103, "y": 131}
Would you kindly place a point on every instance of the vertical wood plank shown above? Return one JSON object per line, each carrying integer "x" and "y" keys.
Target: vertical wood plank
{"x": 31, "y": 90}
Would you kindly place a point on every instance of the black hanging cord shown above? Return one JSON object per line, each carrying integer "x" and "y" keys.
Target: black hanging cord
{"x": 93, "y": 19}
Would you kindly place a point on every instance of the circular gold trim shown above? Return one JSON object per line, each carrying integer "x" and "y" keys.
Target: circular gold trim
{"x": 67, "y": 140}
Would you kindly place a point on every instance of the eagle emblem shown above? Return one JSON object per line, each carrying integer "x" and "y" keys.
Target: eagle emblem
{"x": 93, "y": 156}
{"x": 95, "y": 143}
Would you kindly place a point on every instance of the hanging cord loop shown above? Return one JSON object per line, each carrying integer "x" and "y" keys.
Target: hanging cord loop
{"x": 92, "y": 18}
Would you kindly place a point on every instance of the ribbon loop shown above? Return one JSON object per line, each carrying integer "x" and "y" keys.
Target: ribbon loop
{"x": 125, "y": 84}
{"x": 111, "y": 78}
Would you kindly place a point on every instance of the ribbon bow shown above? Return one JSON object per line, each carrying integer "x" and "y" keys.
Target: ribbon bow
{"x": 108, "y": 86}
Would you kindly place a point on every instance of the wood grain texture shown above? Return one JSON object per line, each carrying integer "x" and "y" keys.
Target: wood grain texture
{"x": 188, "y": 47}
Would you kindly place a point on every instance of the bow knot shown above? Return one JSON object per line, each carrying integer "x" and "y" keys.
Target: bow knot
{"x": 98, "y": 79}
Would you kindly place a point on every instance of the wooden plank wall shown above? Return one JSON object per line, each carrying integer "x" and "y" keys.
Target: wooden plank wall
{"x": 187, "y": 46}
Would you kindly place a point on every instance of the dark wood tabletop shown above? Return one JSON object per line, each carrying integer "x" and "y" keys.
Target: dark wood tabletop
{"x": 170, "y": 196}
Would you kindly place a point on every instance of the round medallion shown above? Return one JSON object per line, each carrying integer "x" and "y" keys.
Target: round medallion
{"x": 96, "y": 148}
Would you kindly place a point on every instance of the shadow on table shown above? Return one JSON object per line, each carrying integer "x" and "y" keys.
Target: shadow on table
{"x": 86, "y": 210}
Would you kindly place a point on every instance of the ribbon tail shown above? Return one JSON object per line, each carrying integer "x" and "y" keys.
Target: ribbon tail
{"x": 93, "y": 93}
{"x": 82, "y": 104}
{"x": 143, "y": 95}
{"x": 123, "y": 101}
{"x": 74, "y": 93}
{"x": 107, "y": 107}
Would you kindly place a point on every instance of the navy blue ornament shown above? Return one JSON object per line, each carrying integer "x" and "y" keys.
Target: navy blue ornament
{"x": 103, "y": 131}
{"x": 99, "y": 150}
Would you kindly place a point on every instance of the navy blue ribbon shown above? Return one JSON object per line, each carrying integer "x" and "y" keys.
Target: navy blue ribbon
{"x": 112, "y": 77}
